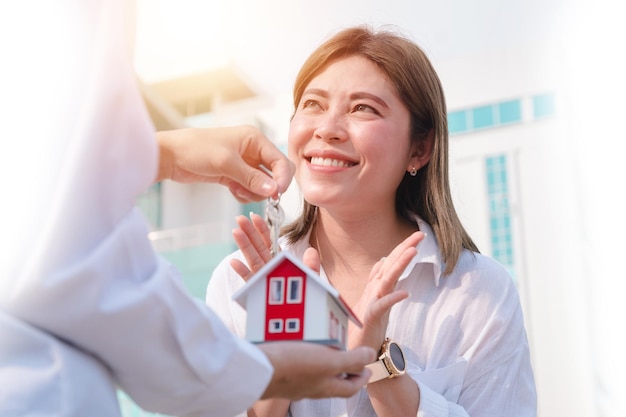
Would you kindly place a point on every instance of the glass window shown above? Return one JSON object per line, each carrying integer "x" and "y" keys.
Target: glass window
{"x": 275, "y": 326}
{"x": 294, "y": 290}
{"x": 510, "y": 111}
{"x": 276, "y": 291}
{"x": 500, "y": 212}
{"x": 457, "y": 121}
{"x": 482, "y": 117}
{"x": 292, "y": 325}
{"x": 543, "y": 105}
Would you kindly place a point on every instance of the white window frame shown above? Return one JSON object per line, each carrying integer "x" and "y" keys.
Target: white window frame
{"x": 270, "y": 297}
{"x": 297, "y": 327}
{"x": 298, "y": 299}
{"x": 274, "y": 329}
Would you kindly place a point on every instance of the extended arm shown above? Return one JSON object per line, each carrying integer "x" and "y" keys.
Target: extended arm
{"x": 230, "y": 156}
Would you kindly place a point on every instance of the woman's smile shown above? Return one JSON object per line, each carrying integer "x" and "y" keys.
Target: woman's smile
{"x": 330, "y": 162}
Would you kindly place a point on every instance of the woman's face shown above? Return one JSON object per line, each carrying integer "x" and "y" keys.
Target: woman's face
{"x": 349, "y": 137}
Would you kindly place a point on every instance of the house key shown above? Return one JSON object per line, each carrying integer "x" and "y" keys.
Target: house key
{"x": 274, "y": 216}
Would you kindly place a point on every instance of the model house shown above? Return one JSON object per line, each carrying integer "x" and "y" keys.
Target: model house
{"x": 286, "y": 300}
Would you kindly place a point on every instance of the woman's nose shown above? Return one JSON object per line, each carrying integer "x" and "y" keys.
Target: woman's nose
{"x": 331, "y": 127}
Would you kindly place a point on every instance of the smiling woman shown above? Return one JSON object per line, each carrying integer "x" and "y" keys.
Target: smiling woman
{"x": 347, "y": 119}
{"x": 369, "y": 140}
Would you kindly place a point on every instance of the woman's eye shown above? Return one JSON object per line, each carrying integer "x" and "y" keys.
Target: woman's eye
{"x": 365, "y": 107}
{"x": 309, "y": 103}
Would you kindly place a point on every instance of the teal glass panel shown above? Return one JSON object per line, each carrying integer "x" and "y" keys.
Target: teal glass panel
{"x": 196, "y": 264}
{"x": 510, "y": 111}
{"x": 482, "y": 117}
{"x": 499, "y": 212}
{"x": 543, "y": 105}
{"x": 457, "y": 121}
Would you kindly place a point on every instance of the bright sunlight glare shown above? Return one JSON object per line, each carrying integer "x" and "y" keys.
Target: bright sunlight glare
{"x": 179, "y": 37}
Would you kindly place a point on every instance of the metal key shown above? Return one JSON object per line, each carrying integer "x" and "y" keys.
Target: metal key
{"x": 274, "y": 216}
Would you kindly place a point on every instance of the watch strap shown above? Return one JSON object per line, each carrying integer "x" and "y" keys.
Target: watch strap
{"x": 379, "y": 371}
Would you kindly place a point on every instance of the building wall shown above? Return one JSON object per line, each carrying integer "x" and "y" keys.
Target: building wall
{"x": 513, "y": 185}
{"x": 513, "y": 190}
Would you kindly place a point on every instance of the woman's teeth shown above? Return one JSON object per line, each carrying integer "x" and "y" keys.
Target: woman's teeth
{"x": 328, "y": 162}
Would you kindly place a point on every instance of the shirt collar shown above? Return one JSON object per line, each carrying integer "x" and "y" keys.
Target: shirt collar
{"x": 427, "y": 251}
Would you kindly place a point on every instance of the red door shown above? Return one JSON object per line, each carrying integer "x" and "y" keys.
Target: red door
{"x": 284, "y": 314}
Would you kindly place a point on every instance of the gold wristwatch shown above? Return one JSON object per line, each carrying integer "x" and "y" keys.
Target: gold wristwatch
{"x": 390, "y": 363}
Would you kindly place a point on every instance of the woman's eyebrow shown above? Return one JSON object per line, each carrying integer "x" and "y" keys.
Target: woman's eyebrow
{"x": 354, "y": 96}
{"x": 373, "y": 97}
{"x": 316, "y": 91}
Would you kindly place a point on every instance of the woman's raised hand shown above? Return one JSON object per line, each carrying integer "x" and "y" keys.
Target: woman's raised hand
{"x": 254, "y": 240}
{"x": 380, "y": 294}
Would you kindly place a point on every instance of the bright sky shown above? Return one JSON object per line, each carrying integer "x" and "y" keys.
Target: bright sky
{"x": 270, "y": 39}
{"x": 177, "y": 37}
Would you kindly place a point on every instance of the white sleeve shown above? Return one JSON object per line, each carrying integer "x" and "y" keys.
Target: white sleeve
{"x": 76, "y": 261}
{"x": 223, "y": 284}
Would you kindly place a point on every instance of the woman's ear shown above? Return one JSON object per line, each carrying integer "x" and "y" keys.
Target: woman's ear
{"x": 422, "y": 151}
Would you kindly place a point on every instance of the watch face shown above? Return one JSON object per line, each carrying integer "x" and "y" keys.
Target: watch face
{"x": 396, "y": 356}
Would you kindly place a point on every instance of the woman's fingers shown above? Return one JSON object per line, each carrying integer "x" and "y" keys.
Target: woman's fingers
{"x": 251, "y": 241}
{"x": 381, "y": 307}
{"x": 390, "y": 268}
{"x": 399, "y": 252}
{"x": 263, "y": 230}
{"x": 253, "y": 258}
{"x": 380, "y": 294}
{"x": 311, "y": 258}
{"x": 257, "y": 234}
{"x": 241, "y": 269}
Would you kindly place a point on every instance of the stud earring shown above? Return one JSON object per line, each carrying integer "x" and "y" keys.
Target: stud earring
{"x": 413, "y": 171}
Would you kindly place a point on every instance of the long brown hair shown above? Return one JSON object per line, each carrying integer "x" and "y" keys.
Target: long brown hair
{"x": 428, "y": 193}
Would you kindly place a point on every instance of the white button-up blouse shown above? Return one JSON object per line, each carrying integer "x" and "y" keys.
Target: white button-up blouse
{"x": 462, "y": 334}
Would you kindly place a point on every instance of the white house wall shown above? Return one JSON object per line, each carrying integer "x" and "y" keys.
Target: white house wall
{"x": 255, "y": 330}
{"x": 342, "y": 330}
{"x": 315, "y": 316}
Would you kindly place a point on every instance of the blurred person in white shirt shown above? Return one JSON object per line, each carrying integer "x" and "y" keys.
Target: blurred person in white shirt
{"x": 86, "y": 306}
